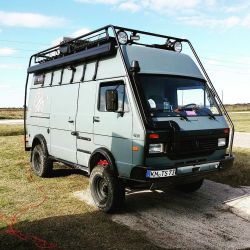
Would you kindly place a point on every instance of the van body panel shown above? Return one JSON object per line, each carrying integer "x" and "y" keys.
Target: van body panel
{"x": 38, "y": 115}
{"x": 34, "y": 130}
{"x": 62, "y": 121}
{"x": 138, "y": 154}
{"x": 158, "y": 61}
{"x": 110, "y": 68}
{"x": 118, "y": 140}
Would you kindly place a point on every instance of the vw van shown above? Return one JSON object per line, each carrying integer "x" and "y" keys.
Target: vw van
{"x": 132, "y": 109}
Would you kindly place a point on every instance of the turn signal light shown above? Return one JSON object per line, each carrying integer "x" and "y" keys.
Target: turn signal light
{"x": 154, "y": 136}
{"x": 136, "y": 148}
{"x": 226, "y": 130}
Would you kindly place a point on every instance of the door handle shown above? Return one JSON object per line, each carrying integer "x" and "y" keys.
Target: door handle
{"x": 96, "y": 119}
{"x": 74, "y": 133}
{"x": 71, "y": 121}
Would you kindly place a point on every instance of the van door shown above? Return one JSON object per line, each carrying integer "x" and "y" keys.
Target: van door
{"x": 84, "y": 122}
{"x": 63, "y": 115}
{"x": 113, "y": 130}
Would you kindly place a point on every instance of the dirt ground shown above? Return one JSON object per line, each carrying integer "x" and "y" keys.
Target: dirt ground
{"x": 206, "y": 219}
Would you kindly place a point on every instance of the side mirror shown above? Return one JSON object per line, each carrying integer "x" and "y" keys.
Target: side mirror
{"x": 111, "y": 100}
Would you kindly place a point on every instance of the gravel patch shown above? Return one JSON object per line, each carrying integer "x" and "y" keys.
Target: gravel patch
{"x": 215, "y": 217}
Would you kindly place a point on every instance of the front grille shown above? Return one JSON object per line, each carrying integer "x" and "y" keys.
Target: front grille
{"x": 206, "y": 144}
{"x": 195, "y": 144}
{"x": 192, "y": 147}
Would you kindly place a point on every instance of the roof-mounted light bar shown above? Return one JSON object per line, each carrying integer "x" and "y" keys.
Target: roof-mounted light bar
{"x": 124, "y": 38}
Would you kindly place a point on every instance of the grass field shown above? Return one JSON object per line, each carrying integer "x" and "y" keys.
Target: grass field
{"x": 241, "y": 121}
{"x": 10, "y": 130}
{"x": 11, "y": 113}
{"x": 239, "y": 174}
{"x": 61, "y": 219}
{"x": 237, "y": 107}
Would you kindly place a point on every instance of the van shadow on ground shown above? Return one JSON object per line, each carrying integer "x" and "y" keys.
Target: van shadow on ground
{"x": 63, "y": 172}
{"x": 93, "y": 230}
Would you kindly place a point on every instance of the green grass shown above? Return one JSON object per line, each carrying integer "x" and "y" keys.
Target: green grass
{"x": 11, "y": 113}
{"x": 239, "y": 174}
{"x": 237, "y": 107}
{"x": 241, "y": 121}
{"x": 11, "y": 130}
{"x": 61, "y": 219}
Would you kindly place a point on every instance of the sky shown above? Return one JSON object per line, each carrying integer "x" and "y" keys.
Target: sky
{"x": 218, "y": 29}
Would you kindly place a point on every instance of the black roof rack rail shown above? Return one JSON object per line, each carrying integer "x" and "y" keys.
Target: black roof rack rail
{"x": 79, "y": 55}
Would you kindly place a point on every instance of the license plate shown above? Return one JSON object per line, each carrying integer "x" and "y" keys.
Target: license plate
{"x": 160, "y": 173}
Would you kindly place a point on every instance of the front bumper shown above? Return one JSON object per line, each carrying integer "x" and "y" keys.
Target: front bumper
{"x": 194, "y": 171}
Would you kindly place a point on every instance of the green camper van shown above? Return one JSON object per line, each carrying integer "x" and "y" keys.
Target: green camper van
{"x": 132, "y": 109}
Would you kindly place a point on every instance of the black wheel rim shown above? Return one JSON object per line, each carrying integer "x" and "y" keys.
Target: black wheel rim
{"x": 101, "y": 189}
{"x": 37, "y": 161}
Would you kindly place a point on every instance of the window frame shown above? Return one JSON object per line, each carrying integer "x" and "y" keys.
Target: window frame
{"x": 113, "y": 83}
{"x": 36, "y": 83}
{"x": 143, "y": 97}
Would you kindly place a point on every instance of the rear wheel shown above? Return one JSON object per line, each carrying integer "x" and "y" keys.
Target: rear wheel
{"x": 107, "y": 190}
{"x": 40, "y": 163}
{"x": 190, "y": 187}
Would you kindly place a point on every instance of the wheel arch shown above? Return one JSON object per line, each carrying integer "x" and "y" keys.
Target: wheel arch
{"x": 102, "y": 154}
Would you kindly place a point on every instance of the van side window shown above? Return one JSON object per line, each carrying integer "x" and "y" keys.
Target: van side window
{"x": 120, "y": 87}
{"x": 39, "y": 79}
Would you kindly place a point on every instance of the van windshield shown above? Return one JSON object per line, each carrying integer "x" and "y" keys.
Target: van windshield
{"x": 177, "y": 96}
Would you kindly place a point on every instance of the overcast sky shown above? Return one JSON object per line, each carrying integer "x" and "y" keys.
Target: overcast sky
{"x": 218, "y": 29}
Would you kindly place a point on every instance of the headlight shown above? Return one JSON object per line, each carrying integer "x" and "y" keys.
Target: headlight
{"x": 122, "y": 37}
{"x": 178, "y": 46}
{"x": 221, "y": 142}
{"x": 156, "y": 148}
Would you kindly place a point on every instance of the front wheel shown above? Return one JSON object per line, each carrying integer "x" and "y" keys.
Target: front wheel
{"x": 190, "y": 187}
{"x": 107, "y": 190}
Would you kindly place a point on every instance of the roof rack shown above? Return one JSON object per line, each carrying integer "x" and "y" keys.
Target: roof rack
{"x": 97, "y": 43}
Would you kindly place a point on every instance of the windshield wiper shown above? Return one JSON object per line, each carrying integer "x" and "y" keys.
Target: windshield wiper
{"x": 181, "y": 115}
{"x": 210, "y": 115}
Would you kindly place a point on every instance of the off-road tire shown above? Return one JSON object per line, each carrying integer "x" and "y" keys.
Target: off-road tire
{"x": 107, "y": 190}
{"x": 190, "y": 187}
{"x": 40, "y": 163}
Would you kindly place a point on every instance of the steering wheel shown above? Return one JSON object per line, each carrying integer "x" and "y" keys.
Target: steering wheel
{"x": 190, "y": 105}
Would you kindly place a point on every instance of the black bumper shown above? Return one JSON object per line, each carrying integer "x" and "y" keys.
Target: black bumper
{"x": 226, "y": 163}
{"x": 138, "y": 173}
